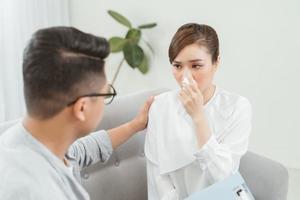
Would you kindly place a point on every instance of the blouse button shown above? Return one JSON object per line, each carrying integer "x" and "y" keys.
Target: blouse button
{"x": 86, "y": 175}
{"x": 117, "y": 163}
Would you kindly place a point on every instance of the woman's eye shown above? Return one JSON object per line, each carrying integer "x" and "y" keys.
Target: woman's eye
{"x": 177, "y": 66}
{"x": 197, "y": 66}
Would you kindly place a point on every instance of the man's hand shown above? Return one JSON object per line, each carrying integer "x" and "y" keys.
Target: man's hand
{"x": 122, "y": 133}
{"x": 141, "y": 120}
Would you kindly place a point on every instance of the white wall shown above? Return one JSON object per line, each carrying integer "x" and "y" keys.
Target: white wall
{"x": 259, "y": 50}
{"x": 18, "y": 21}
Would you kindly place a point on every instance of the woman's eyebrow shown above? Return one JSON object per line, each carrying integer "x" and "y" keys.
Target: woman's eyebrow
{"x": 195, "y": 60}
{"x": 176, "y": 62}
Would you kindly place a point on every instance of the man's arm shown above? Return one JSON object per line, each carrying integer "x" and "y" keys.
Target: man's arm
{"x": 99, "y": 145}
{"x": 122, "y": 133}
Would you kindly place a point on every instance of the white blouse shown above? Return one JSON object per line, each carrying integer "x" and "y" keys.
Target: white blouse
{"x": 176, "y": 168}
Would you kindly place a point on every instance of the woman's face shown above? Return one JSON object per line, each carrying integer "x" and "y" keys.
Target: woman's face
{"x": 198, "y": 61}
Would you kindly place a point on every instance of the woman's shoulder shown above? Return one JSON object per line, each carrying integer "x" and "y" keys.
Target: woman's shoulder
{"x": 226, "y": 98}
{"x": 165, "y": 94}
{"x": 165, "y": 97}
{"x": 164, "y": 102}
{"x": 229, "y": 103}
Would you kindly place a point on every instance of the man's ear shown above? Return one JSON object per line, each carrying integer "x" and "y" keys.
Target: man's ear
{"x": 79, "y": 109}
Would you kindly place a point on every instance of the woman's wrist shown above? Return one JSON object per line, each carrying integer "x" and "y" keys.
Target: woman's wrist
{"x": 203, "y": 131}
{"x": 199, "y": 117}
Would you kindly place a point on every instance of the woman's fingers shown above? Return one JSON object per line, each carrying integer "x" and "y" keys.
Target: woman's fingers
{"x": 189, "y": 91}
{"x": 195, "y": 88}
{"x": 191, "y": 98}
{"x": 183, "y": 97}
{"x": 188, "y": 97}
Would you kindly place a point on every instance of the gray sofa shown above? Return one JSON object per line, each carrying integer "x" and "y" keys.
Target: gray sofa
{"x": 123, "y": 177}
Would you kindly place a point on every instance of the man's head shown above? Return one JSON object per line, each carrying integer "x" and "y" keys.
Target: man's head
{"x": 60, "y": 64}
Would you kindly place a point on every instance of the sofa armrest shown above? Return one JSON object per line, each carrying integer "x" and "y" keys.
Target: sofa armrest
{"x": 267, "y": 179}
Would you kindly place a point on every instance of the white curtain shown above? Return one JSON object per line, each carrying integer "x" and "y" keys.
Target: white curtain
{"x": 18, "y": 20}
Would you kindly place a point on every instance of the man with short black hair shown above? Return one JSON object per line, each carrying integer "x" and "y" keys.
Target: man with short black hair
{"x": 65, "y": 89}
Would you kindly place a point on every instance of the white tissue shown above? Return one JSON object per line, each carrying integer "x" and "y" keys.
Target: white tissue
{"x": 187, "y": 76}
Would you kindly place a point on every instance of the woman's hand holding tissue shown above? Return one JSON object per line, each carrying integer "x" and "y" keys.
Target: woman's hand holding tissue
{"x": 193, "y": 102}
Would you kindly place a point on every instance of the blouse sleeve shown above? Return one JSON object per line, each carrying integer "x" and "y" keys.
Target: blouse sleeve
{"x": 221, "y": 157}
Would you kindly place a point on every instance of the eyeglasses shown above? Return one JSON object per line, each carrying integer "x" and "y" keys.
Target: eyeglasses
{"x": 109, "y": 96}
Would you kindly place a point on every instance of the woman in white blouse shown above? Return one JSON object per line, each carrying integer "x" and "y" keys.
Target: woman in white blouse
{"x": 198, "y": 133}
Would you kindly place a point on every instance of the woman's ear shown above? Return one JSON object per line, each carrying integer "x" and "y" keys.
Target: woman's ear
{"x": 79, "y": 109}
{"x": 216, "y": 64}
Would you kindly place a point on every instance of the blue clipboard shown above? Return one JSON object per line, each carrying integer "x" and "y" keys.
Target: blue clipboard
{"x": 232, "y": 188}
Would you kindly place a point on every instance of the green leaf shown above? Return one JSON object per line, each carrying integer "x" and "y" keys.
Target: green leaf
{"x": 116, "y": 44}
{"x": 150, "y": 47}
{"x": 119, "y": 18}
{"x": 133, "y": 54}
{"x": 150, "y": 25}
{"x": 134, "y": 35}
{"x": 143, "y": 67}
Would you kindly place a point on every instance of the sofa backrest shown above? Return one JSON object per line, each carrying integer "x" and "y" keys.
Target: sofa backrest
{"x": 123, "y": 177}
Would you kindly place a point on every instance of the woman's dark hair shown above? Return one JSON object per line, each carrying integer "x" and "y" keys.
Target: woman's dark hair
{"x": 60, "y": 63}
{"x": 191, "y": 33}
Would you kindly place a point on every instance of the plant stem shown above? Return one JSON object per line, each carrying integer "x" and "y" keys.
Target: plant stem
{"x": 117, "y": 72}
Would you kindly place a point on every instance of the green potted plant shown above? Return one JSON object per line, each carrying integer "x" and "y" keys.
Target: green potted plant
{"x": 133, "y": 53}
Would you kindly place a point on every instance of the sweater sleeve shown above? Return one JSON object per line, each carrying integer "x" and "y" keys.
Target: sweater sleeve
{"x": 91, "y": 149}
